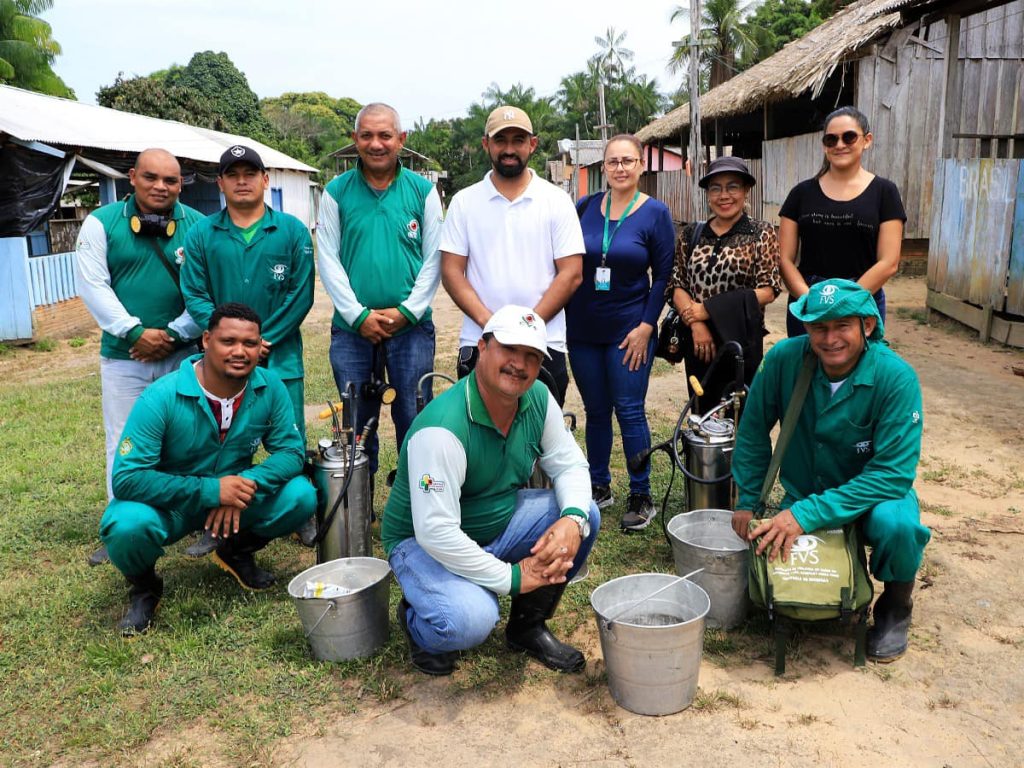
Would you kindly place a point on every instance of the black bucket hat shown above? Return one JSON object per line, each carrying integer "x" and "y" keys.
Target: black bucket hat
{"x": 728, "y": 164}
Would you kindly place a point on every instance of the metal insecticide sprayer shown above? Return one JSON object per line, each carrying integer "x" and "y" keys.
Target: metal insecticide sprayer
{"x": 341, "y": 474}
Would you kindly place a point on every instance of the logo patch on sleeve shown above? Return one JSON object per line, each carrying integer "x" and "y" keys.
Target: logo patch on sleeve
{"x": 428, "y": 484}
{"x": 125, "y": 447}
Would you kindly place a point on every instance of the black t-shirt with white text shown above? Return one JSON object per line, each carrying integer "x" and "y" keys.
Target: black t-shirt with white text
{"x": 839, "y": 238}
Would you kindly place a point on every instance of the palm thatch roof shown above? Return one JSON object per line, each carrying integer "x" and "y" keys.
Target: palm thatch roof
{"x": 803, "y": 65}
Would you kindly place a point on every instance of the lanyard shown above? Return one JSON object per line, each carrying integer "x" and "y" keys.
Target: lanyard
{"x": 607, "y": 213}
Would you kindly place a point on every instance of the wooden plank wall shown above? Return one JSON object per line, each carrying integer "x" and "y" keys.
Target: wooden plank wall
{"x": 992, "y": 95}
{"x": 52, "y": 278}
{"x": 785, "y": 162}
{"x": 972, "y": 231}
{"x": 899, "y": 88}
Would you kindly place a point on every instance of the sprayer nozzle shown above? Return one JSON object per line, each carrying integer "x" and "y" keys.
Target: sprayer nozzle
{"x": 697, "y": 388}
{"x": 327, "y": 412}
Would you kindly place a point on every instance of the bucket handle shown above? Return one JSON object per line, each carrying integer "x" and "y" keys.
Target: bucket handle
{"x": 608, "y": 622}
{"x": 330, "y": 605}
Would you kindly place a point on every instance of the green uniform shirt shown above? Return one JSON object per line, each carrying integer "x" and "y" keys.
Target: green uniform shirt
{"x": 141, "y": 284}
{"x": 849, "y": 451}
{"x": 171, "y": 456}
{"x": 379, "y": 238}
{"x": 272, "y": 273}
{"x": 458, "y": 475}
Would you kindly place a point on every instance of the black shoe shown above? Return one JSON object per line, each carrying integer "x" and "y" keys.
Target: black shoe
{"x": 527, "y": 631}
{"x": 436, "y": 664}
{"x": 99, "y": 557}
{"x": 391, "y": 478}
{"x": 144, "y": 594}
{"x": 888, "y": 639}
{"x": 202, "y": 546}
{"x": 602, "y": 495}
{"x": 640, "y": 510}
{"x": 234, "y": 555}
{"x": 306, "y": 533}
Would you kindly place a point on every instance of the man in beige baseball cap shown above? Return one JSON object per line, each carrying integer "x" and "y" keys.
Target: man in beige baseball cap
{"x": 507, "y": 117}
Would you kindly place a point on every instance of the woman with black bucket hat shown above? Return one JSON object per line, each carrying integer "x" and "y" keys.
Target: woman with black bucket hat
{"x": 845, "y": 222}
{"x": 726, "y": 271}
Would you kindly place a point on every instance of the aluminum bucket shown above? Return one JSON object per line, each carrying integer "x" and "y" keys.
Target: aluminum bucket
{"x": 350, "y": 626}
{"x": 652, "y": 653}
{"x": 704, "y": 539}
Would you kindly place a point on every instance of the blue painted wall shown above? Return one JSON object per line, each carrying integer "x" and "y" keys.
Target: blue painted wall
{"x": 15, "y": 301}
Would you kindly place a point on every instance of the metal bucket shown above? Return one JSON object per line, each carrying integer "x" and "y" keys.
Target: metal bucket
{"x": 349, "y": 533}
{"x": 709, "y": 455}
{"x": 653, "y": 652}
{"x": 350, "y": 626}
{"x": 704, "y": 539}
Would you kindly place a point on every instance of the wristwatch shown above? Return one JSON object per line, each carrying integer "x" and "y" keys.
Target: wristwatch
{"x": 582, "y": 522}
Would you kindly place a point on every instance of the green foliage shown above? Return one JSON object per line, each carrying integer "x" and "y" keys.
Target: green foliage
{"x": 781, "y": 21}
{"x": 27, "y": 49}
{"x": 311, "y": 125}
{"x": 156, "y": 98}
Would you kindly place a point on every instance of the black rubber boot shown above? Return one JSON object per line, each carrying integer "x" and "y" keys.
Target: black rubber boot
{"x": 527, "y": 632}
{"x": 145, "y": 591}
{"x": 436, "y": 664}
{"x": 234, "y": 555}
{"x": 99, "y": 557}
{"x": 202, "y": 546}
{"x": 887, "y": 639}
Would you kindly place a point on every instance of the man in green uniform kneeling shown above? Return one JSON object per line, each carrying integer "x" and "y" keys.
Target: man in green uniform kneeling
{"x": 853, "y": 454}
{"x": 185, "y": 463}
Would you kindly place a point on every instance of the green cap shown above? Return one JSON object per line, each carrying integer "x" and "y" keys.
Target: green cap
{"x": 836, "y": 298}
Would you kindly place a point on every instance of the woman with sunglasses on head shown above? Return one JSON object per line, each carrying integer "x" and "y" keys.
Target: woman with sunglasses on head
{"x": 847, "y": 221}
{"x": 612, "y": 318}
{"x": 726, "y": 272}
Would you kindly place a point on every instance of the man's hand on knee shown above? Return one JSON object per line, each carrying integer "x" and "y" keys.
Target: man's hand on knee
{"x": 559, "y": 542}
{"x": 778, "y": 533}
{"x": 236, "y": 491}
{"x": 223, "y": 521}
{"x": 535, "y": 574}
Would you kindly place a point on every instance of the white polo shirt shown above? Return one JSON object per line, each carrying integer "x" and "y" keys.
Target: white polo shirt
{"x": 512, "y": 246}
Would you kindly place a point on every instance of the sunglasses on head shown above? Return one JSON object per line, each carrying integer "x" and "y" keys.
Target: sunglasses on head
{"x": 848, "y": 138}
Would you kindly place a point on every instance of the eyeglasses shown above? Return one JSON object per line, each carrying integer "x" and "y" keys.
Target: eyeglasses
{"x": 849, "y": 138}
{"x": 733, "y": 187}
{"x": 626, "y": 163}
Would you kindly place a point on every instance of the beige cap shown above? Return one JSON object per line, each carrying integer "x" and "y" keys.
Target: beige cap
{"x": 507, "y": 117}
{"x": 519, "y": 326}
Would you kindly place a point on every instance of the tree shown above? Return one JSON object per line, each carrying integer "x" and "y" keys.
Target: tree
{"x": 311, "y": 125}
{"x": 27, "y": 48}
{"x": 612, "y": 57}
{"x": 781, "y": 21}
{"x": 725, "y": 39}
{"x": 146, "y": 96}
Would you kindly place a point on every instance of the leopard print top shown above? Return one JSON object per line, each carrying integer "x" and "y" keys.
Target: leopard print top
{"x": 747, "y": 256}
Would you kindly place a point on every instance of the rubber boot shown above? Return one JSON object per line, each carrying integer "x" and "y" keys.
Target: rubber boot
{"x": 887, "y": 639}
{"x": 99, "y": 557}
{"x": 436, "y": 664}
{"x": 527, "y": 632}
{"x": 144, "y": 593}
{"x": 202, "y": 546}
{"x": 234, "y": 555}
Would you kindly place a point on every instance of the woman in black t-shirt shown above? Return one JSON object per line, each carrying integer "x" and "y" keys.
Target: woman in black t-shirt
{"x": 847, "y": 221}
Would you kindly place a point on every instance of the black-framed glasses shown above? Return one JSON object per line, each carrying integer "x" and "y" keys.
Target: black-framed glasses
{"x": 849, "y": 138}
{"x": 626, "y": 163}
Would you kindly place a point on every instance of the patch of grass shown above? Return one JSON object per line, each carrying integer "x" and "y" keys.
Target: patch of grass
{"x": 707, "y": 702}
{"x": 937, "y": 509}
{"x": 945, "y": 701}
{"x": 918, "y": 314}
{"x": 77, "y": 342}
{"x": 6, "y": 349}
{"x": 44, "y": 345}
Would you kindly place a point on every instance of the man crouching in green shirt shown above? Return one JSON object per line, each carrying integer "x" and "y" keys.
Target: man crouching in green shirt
{"x": 185, "y": 463}
{"x": 853, "y": 454}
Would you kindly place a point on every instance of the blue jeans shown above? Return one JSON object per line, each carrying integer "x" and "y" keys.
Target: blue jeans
{"x": 606, "y": 384}
{"x": 408, "y": 356}
{"x": 451, "y": 613}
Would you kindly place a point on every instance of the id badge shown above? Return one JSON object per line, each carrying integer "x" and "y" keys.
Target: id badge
{"x": 603, "y": 279}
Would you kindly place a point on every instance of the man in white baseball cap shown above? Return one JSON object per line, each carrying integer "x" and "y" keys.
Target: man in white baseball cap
{"x": 459, "y": 528}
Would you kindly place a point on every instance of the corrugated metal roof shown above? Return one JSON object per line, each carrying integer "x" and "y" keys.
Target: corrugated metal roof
{"x": 35, "y": 117}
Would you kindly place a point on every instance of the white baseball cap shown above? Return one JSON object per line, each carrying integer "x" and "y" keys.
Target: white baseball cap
{"x": 513, "y": 326}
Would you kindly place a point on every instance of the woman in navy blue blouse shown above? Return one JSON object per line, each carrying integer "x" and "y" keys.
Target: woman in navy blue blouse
{"x": 612, "y": 318}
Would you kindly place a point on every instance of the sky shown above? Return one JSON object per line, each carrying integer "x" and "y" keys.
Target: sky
{"x": 428, "y": 60}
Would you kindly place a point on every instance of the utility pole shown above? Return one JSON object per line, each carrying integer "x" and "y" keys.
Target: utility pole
{"x": 696, "y": 147}
{"x": 604, "y": 124}
{"x": 576, "y": 168}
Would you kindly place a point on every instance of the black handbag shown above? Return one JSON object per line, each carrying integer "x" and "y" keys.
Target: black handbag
{"x": 670, "y": 338}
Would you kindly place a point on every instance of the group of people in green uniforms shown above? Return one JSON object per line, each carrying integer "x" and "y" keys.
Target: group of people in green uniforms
{"x": 459, "y": 529}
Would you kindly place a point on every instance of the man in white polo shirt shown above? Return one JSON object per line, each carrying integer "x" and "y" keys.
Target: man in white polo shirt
{"x": 512, "y": 238}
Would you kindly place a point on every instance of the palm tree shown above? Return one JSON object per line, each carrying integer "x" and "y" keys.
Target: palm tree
{"x": 612, "y": 57}
{"x": 27, "y": 48}
{"x": 724, "y": 37}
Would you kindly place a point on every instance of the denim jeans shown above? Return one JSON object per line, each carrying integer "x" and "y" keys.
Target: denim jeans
{"x": 122, "y": 381}
{"x": 451, "y": 613}
{"x": 408, "y": 356}
{"x": 606, "y": 384}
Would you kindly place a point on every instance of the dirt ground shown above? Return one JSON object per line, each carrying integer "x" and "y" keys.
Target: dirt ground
{"x": 956, "y": 698}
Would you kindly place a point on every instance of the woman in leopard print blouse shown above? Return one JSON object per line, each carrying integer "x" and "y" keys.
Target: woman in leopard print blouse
{"x": 726, "y": 271}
